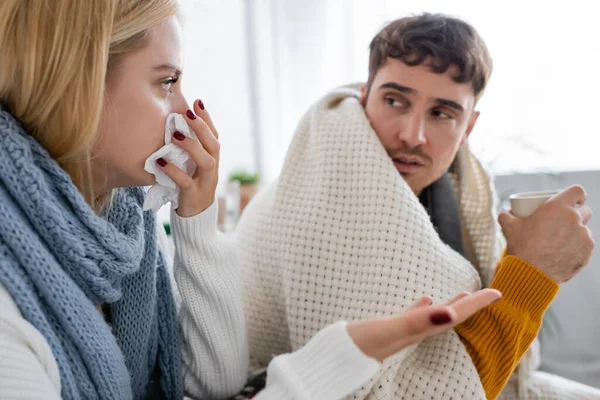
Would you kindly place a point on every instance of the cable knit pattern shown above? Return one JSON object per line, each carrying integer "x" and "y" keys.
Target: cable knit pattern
{"x": 59, "y": 260}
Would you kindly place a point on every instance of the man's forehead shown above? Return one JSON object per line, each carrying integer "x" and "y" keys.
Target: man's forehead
{"x": 424, "y": 82}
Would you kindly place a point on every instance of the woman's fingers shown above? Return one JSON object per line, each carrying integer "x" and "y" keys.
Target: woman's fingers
{"x": 199, "y": 155}
{"x": 203, "y": 132}
{"x": 418, "y": 323}
{"x": 457, "y": 298}
{"x": 181, "y": 179}
{"x": 383, "y": 337}
{"x": 423, "y": 302}
{"x": 426, "y": 301}
{"x": 469, "y": 305}
{"x": 204, "y": 153}
{"x": 200, "y": 111}
{"x": 379, "y": 338}
{"x": 197, "y": 191}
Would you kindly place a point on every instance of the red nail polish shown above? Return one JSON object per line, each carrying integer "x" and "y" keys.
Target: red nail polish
{"x": 440, "y": 318}
{"x": 162, "y": 162}
{"x": 178, "y": 135}
{"x": 200, "y": 104}
{"x": 190, "y": 114}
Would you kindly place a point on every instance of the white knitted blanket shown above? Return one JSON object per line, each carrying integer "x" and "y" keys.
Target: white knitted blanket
{"x": 342, "y": 236}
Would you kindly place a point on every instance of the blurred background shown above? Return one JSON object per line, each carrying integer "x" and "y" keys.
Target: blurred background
{"x": 259, "y": 64}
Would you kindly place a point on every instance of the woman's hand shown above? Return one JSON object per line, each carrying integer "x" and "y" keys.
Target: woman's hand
{"x": 383, "y": 337}
{"x": 197, "y": 192}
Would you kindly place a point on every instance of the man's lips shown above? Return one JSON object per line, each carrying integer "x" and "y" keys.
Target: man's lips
{"x": 406, "y": 168}
{"x": 409, "y": 160}
{"x": 408, "y": 164}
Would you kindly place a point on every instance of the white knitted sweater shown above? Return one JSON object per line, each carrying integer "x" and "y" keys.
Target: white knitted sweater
{"x": 341, "y": 236}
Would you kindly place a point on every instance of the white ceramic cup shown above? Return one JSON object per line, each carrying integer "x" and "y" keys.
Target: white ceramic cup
{"x": 524, "y": 204}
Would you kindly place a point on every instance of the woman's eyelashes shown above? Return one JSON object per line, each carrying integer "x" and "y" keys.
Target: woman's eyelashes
{"x": 169, "y": 82}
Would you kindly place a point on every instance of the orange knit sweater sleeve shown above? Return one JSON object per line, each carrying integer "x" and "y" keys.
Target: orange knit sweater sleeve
{"x": 498, "y": 336}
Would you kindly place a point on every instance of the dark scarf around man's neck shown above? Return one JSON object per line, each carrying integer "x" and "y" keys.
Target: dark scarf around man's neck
{"x": 440, "y": 202}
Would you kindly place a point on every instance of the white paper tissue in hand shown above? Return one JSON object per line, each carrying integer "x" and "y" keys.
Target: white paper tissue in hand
{"x": 165, "y": 189}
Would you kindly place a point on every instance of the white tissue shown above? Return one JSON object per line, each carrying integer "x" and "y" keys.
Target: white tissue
{"x": 165, "y": 190}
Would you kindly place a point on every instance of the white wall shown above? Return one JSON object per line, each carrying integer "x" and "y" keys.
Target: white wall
{"x": 574, "y": 351}
{"x": 215, "y": 71}
{"x": 544, "y": 86}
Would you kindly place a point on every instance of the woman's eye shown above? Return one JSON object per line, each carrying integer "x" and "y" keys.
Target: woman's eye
{"x": 168, "y": 83}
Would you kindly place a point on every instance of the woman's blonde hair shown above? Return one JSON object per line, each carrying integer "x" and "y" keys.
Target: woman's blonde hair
{"x": 54, "y": 59}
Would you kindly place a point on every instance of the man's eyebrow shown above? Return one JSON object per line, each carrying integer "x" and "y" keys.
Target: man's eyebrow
{"x": 450, "y": 103}
{"x": 405, "y": 89}
{"x": 395, "y": 86}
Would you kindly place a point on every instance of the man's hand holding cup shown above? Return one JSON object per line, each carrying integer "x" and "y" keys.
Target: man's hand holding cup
{"x": 549, "y": 231}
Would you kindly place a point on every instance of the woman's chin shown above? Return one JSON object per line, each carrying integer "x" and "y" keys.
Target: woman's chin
{"x": 145, "y": 179}
{"x": 148, "y": 180}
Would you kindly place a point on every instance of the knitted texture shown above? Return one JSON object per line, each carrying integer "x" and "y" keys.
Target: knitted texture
{"x": 59, "y": 261}
{"x": 341, "y": 236}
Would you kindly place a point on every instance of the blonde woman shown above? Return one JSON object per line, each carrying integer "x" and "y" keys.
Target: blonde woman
{"x": 87, "y": 309}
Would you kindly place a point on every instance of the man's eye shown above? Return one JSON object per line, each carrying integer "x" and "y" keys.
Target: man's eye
{"x": 393, "y": 102}
{"x": 441, "y": 114}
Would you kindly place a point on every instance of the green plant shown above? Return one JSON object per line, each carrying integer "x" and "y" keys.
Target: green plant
{"x": 244, "y": 177}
